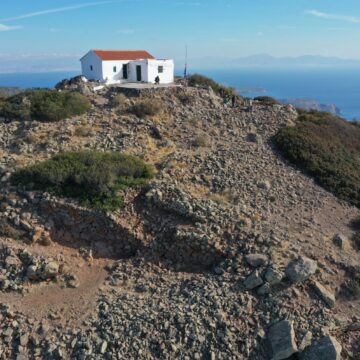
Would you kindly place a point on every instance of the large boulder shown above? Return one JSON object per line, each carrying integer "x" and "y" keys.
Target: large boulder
{"x": 327, "y": 348}
{"x": 300, "y": 269}
{"x": 282, "y": 340}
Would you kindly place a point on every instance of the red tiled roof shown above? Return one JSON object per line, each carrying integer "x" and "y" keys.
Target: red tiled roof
{"x": 123, "y": 54}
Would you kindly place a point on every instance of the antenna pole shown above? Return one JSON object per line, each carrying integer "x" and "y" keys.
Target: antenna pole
{"x": 186, "y": 59}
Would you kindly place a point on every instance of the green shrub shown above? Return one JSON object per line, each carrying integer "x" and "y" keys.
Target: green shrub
{"x": 327, "y": 148}
{"x": 95, "y": 178}
{"x": 44, "y": 105}
{"x": 146, "y": 108}
{"x": 267, "y": 100}
{"x": 203, "y": 81}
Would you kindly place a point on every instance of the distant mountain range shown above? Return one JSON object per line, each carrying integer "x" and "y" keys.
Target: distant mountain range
{"x": 265, "y": 60}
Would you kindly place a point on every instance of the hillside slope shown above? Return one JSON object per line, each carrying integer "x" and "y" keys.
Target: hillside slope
{"x": 195, "y": 264}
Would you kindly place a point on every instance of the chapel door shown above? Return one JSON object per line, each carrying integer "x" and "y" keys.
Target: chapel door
{"x": 138, "y": 72}
{"x": 125, "y": 71}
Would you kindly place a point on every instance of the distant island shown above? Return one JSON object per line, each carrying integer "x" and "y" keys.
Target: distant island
{"x": 312, "y": 104}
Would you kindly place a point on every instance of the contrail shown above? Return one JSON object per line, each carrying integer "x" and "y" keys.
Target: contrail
{"x": 62, "y": 9}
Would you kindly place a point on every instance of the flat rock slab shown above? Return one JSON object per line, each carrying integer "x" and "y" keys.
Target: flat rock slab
{"x": 256, "y": 260}
{"x": 282, "y": 340}
{"x": 327, "y": 348}
{"x": 300, "y": 269}
{"x": 325, "y": 295}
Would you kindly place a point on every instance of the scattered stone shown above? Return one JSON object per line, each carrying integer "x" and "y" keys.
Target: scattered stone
{"x": 103, "y": 348}
{"x": 342, "y": 242}
{"x": 273, "y": 276}
{"x": 256, "y": 260}
{"x": 300, "y": 269}
{"x": 253, "y": 280}
{"x": 72, "y": 281}
{"x": 325, "y": 294}
{"x": 282, "y": 339}
{"x": 266, "y": 185}
{"x": 50, "y": 270}
{"x": 306, "y": 341}
{"x": 326, "y": 348}
{"x": 264, "y": 289}
{"x": 24, "y": 339}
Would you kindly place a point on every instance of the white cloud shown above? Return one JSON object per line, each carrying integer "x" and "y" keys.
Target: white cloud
{"x": 8, "y": 28}
{"x": 323, "y": 15}
{"x": 62, "y": 9}
{"x": 126, "y": 31}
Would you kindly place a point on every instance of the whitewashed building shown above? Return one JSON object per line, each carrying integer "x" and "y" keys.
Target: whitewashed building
{"x": 124, "y": 66}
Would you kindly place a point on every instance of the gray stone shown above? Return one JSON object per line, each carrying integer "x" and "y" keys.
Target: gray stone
{"x": 24, "y": 339}
{"x": 282, "y": 340}
{"x": 256, "y": 260}
{"x": 325, "y": 294}
{"x": 50, "y": 271}
{"x": 253, "y": 280}
{"x": 326, "y": 348}
{"x": 103, "y": 347}
{"x": 341, "y": 241}
{"x": 32, "y": 272}
{"x": 12, "y": 260}
{"x": 300, "y": 269}
{"x": 306, "y": 341}
{"x": 264, "y": 289}
{"x": 265, "y": 185}
{"x": 72, "y": 281}
{"x": 273, "y": 276}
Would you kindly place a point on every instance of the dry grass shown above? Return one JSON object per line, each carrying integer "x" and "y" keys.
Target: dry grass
{"x": 200, "y": 141}
{"x": 119, "y": 100}
{"x": 198, "y": 191}
{"x": 83, "y": 131}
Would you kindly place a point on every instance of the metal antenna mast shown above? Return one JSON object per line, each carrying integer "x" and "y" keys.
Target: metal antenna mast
{"x": 186, "y": 60}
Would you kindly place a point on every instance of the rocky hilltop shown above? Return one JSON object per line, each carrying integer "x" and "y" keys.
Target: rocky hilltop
{"x": 228, "y": 253}
{"x": 311, "y": 104}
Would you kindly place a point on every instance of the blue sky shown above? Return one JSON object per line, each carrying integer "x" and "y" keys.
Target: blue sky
{"x": 60, "y": 31}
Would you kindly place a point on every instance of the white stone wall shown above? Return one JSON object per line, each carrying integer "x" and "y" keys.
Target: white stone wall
{"x": 166, "y": 77}
{"x": 108, "y": 70}
{"x": 90, "y": 59}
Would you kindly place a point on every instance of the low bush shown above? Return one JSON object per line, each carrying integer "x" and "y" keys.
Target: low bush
{"x": 146, "y": 108}
{"x": 44, "y": 105}
{"x": 267, "y": 100}
{"x": 119, "y": 100}
{"x": 9, "y": 231}
{"x": 354, "y": 286}
{"x": 200, "y": 141}
{"x": 95, "y": 178}
{"x": 327, "y": 148}
{"x": 355, "y": 225}
{"x": 203, "y": 81}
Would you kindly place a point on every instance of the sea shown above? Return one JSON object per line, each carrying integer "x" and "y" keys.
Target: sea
{"x": 339, "y": 86}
